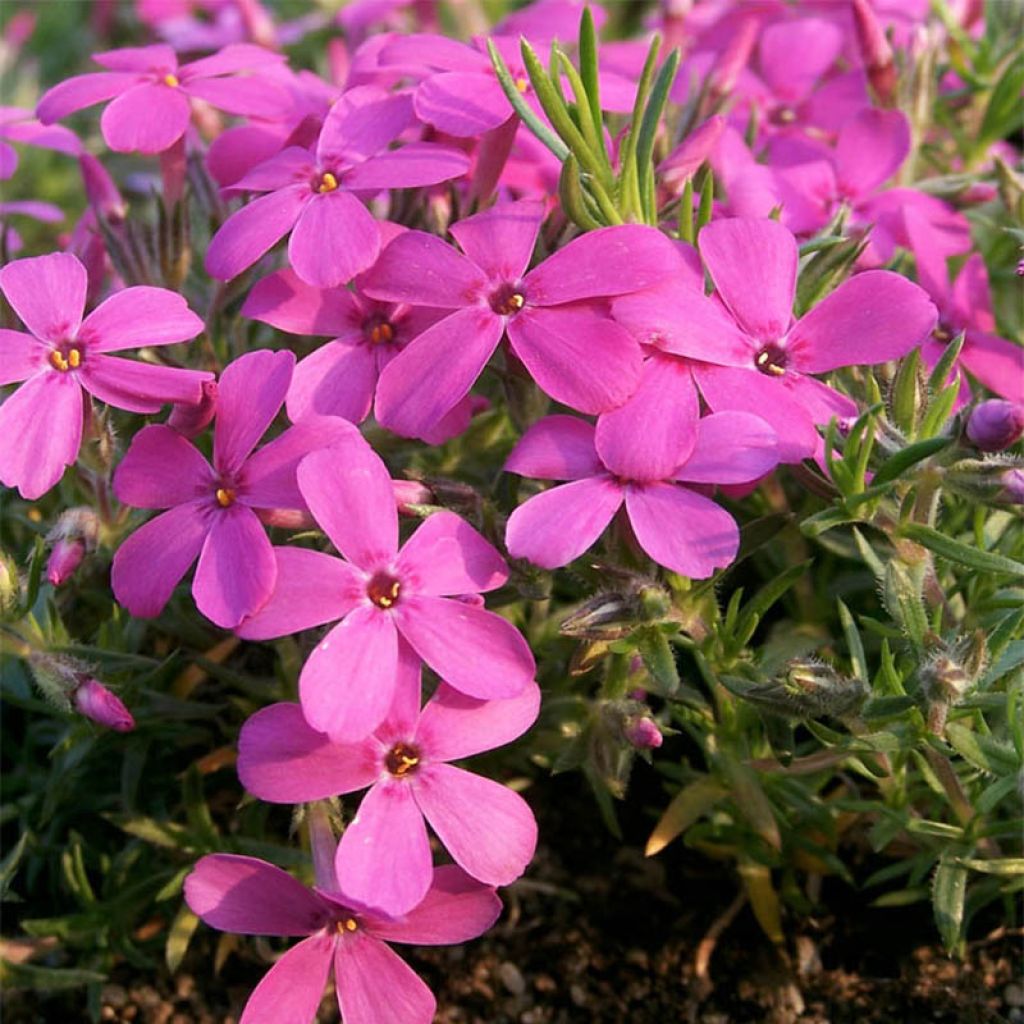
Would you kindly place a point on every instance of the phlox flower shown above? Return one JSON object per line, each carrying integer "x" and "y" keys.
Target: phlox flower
{"x": 211, "y": 510}
{"x": 746, "y": 350}
{"x": 381, "y": 593}
{"x": 384, "y": 854}
{"x": 573, "y": 352}
{"x": 152, "y": 93}
{"x": 19, "y": 125}
{"x": 643, "y": 456}
{"x": 317, "y": 194}
{"x": 62, "y": 355}
{"x": 374, "y": 985}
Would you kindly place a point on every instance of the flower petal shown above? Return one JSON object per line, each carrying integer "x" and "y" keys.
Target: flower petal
{"x": 348, "y": 682}
{"x": 556, "y": 448}
{"x": 251, "y": 95}
{"x": 410, "y": 166}
{"x": 139, "y": 316}
{"x": 247, "y": 896}
{"x": 447, "y": 556}
{"x": 335, "y": 238}
{"x": 488, "y": 829}
{"x": 362, "y": 122}
{"x": 456, "y": 908}
{"x": 462, "y": 103}
{"x": 82, "y": 91}
{"x": 436, "y": 370}
{"x": 47, "y": 293}
{"x": 376, "y": 986}
{"x": 870, "y": 149}
{"x": 161, "y": 469}
{"x": 731, "y": 448}
{"x": 871, "y": 318}
{"x": 293, "y": 988}
{"x": 586, "y": 361}
{"x": 151, "y": 562}
{"x": 753, "y": 264}
{"x": 21, "y": 356}
{"x": 349, "y": 491}
{"x": 283, "y": 761}
{"x": 286, "y": 302}
{"x": 996, "y": 362}
{"x": 311, "y": 589}
{"x": 137, "y": 386}
{"x": 479, "y": 653}
{"x": 655, "y": 431}
{"x": 237, "y": 570}
{"x": 146, "y": 119}
{"x": 338, "y": 379}
{"x": 500, "y": 240}
{"x": 536, "y": 530}
{"x": 682, "y": 530}
{"x": 250, "y": 394}
{"x": 254, "y": 230}
{"x": 383, "y": 858}
{"x": 453, "y": 726}
{"x": 40, "y": 432}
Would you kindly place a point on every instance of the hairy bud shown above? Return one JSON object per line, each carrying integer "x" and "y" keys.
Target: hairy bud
{"x": 994, "y": 425}
{"x": 93, "y": 700}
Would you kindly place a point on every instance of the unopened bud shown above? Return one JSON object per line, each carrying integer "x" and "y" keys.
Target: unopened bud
{"x": 643, "y": 734}
{"x": 106, "y": 201}
{"x": 65, "y": 557}
{"x": 1013, "y": 486}
{"x": 93, "y": 700}
{"x": 995, "y": 425}
{"x": 991, "y": 479}
{"x": 10, "y": 584}
{"x": 807, "y": 689}
{"x": 735, "y": 56}
{"x": 74, "y": 533}
{"x": 409, "y": 494}
{"x": 191, "y": 419}
{"x": 683, "y": 162}
{"x": 875, "y": 51}
{"x": 608, "y": 616}
{"x": 944, "y": 680}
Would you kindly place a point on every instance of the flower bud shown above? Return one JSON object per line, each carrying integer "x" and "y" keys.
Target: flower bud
{"x": 93, "y": 700}
{"x": 74, "y": 534}
{"x": 734, "y": 58}
{"x": 100, "y": 190}
{"x": 875, "y": 51}
{"x": 409, "y": 494}
{"x": 995, "y": 425}
{"x": 191, "y": 419}
{"x": 65, "y": 557}
{"x": 643, "y": 733}
{"x": 10, "y": 584}
{"x": 1013, "y": 486}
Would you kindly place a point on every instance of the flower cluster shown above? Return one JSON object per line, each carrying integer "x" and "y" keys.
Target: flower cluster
{"x": 419, "y": 256}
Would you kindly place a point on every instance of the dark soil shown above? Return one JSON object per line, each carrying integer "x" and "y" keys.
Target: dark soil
{"x": 597, "y": 934}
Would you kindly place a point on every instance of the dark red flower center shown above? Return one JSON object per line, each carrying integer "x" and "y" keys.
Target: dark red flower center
{"x": 378, "y": 331}
{"x": 402, "y": 759}
{"x": 346, "y": 924}
{"x": 507, "y": 300}
{"x": 383, "y": 590}
{"x": 771, "y": 360}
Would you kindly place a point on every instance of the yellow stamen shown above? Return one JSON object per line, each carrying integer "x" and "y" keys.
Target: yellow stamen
{"x": 387, "y": 599}
{"x": 225, "y": 497}
{"x": 328, "y": 182}
{"x": 172, "y": 81}
{"x": 75, "y": 358}
{"x": 766, "y": 366}
{"x": 402, "y": 759}
{"x": 522, "y": 83}
{"x": 58, "y": 362}
{"x": 348, "y": 925}
{"x": 382, "y": 332}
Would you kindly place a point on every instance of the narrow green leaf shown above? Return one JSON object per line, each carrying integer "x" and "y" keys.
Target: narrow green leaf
{"x": 180, "y": 935}
{"x": 571, "y": 196}
{"x": 594, "y": 137}
{"x": 944, "y": 367}
{"x": 949, "y": 887}
{"x": 589, "y": 68}
{"x": 659, "y": 659}
{"x": 686, "y": 807}
{"x": 686, "y": 213}
{"x": 762, "y": 601}
{"x": 1005, "y": 866}
{"x": 45, "y": 979}
{"x": 707, "y": 199}
{"x": 964, "y": 554}
{"x": 751, "y": 800}
{"x": 649, "y": 124}
{"x": 982, "y": 751}
{"x": 907, "y": 394}
{"x": 1003, "y": 114}
{"x": 896, "y": 465}
{"x": 854, "y": 644}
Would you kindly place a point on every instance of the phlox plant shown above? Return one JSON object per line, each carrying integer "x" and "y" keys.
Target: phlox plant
{"x": 635, "y": 391}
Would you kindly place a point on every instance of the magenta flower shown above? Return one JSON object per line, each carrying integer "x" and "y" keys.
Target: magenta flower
{"x": 752, "y": 356}
{"x": 335, "y": 236}
{"x": 94, "y": 701}
{"x": 251, "y": 897}
{"x": 18, "y": 125}
{"x": 574, "y": 353}
{"x": 41, "y": 423}
{"x": 642, "y": 455}
{"x": 381, "y": 593}
{"x": 152, "y": 94}
{"x": 384, "y": 854}
{"x": 211, "y": 510}
{"x": 340, "y": 377}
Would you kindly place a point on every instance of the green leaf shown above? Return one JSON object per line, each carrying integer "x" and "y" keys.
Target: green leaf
{"x": 907, "y": 394}
{"x": 751, "y": 800}
{"x": 589, "y": 68}
{"x": 571, "y": 196}
{"x": 896, "y": 465}
{"x": 180, "y": 935}
{"x": 45, "y": 979}
{"x": 659, "y": 659}
{"x": 707, "y": 200}
{"x": 949, "y": 887}
{"x": 9, "y": 865}
{"x": 686, "y": 807}
{"x": 982, "y": 751}
{"x": 944, "y": 367}
{"x": 1005, "y": 866}
{"x": 964, "y": 554}
{"x": 1003, "y": 114}
{"x": 854, "y": 644}
{"x": 754, "y": 610}
{"x": 649, "y": 127}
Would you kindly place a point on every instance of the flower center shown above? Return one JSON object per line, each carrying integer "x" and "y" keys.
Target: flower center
{"x": 66, "y": 361}
{"x": 402, "y": 759}
{"x": 328, "y": 183}
{"x": 379, "y": 331}
{"x": 383, "y": 590}
{"x": 771, "y": 360}
{"x": 225, "y": 497}
{"x": 522, "y": 82}
{"x": 942, "y": 333}
{"x": 506, "y": 301}
{"x": 172, "y": 81}
{"x": 346, "y": 924}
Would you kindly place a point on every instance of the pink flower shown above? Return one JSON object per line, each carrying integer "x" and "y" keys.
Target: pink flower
{"x": 18, "y": 125}
{"x": 152, "y": 93}
{"x": 384, "y": 854}
{"x": 381, "y": 593}
{"x": 41, "y": 423}
{"x": 644, "y": 734}
{"x": 572, "y": 351}
{"x": 335, "y": 236}
{"x": 211, "y": 510}
{"x": 995, "y": 425}
{"x": 93, "y": 700}
{"x": 251, "y": 897}
{"x": 641, "y": 455}
{"x": 752, "y": 356}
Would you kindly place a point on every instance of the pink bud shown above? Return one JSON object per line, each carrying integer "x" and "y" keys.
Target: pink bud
{"x": 65, "y": 558}
{"x": 682, "y": 163}
{"x": 875, "y": 50}
{"x": 735, "y": 56}
{"x": 258, "y": 22}
{"x": 1013, "y": 486}
{"x": 101, "y": 191}
{"x": 95, "y": 701}
{"x": 644, "y": 734}
{"x": 1020, "y": 268}
{"x": 189, "y": 420}
{"x": 995, "y": 425}
{"x": 411, "y": 492}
